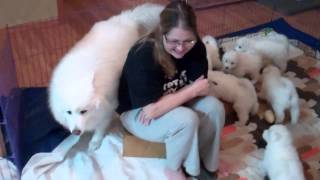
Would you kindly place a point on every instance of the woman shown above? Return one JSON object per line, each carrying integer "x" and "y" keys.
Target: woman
{"x": 163, "y": 92}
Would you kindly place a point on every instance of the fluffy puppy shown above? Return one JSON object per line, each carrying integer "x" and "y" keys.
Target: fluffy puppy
{"x": 213, "y": 52}
{"x": 281, "y": 93}
{"x": 83, "y": 86}
{"x": 238, "y": 91}
{"x": 274, "y": 48}
{"x": 242, "y": 63}
{"x": 281, "y": 160}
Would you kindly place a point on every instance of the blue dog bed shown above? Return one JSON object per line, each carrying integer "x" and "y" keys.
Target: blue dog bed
{"x": 29, "y": 125}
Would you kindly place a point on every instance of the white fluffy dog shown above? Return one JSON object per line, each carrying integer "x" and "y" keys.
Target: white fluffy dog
{"x": 281, "y": 160}
{"x": 274, "y": 47}
{"x": 281, "y": 93}
{"x": 83, "y": 87}
{"x": 242, "y": 63}
{"x": 238, "y": 91}
{"x": 213, "y": 54}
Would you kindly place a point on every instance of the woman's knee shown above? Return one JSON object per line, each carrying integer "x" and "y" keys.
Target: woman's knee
{"x": 210, "y": 104}
{"x": 212, "y": 108}
{"x": 185, "y": 117}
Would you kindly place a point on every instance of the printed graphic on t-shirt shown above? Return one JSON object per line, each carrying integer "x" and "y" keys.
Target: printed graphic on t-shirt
{"x": 176, "y": 83}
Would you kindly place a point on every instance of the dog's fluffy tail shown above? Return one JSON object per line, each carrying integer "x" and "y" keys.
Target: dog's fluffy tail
{"x": 213, "y": 55}
{"x": 255, "y": 109}
{"x": 294, "y": 109}
{"x": 293, "y": 99}
{"x": 147, "y": 16}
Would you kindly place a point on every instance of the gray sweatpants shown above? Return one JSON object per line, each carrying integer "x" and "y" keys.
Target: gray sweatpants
{"x": 188, "y": 132}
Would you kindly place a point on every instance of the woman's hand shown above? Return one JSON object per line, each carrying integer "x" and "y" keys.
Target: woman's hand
{"x": 200, "y": 87}
{"x": 147, "y": 114}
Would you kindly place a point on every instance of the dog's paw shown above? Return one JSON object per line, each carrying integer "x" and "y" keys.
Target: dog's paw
{"x": 94, "y": 145}
{"x": 241, "y": 123}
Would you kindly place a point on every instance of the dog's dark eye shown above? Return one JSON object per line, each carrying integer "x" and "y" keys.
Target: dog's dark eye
{"x": 69, "y": 112}
{"x": 232, "y": 63}
{"x": 83, "y": 111}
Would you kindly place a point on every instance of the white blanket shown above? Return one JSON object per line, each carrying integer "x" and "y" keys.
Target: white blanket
{"x": 71, "y": 160}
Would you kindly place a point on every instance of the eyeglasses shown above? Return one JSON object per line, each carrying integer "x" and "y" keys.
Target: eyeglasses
{"x": 175, "y": 43}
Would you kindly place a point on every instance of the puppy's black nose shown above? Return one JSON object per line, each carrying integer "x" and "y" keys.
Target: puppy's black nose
{"x": 227, "y": 68}
{"x": 76, "y": 132}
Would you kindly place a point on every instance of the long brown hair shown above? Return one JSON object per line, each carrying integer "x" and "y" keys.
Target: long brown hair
{"x": 176, "y": 13}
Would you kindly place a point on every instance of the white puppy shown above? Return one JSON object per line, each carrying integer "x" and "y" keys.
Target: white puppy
{"x": 281, "y": 160}
{"x": 278, "y": 37}
{"x": 242, "y": 63}
{"x": 281, "y": 93}
{"x": 238, "y": 91}
{"x": 213, "y": 54}
{"x": 83, "y": 87}
{"x": 274, "y": 48}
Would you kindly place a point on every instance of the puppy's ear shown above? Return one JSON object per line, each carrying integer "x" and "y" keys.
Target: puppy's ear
{"x": 274, "y": 136}
{"x": 265, "y": 135}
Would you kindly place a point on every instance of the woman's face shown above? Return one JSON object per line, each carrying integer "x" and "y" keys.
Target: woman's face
{"x": 179, "y": 41}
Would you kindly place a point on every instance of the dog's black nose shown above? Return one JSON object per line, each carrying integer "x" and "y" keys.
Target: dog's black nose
{"x": 76, "y": 132}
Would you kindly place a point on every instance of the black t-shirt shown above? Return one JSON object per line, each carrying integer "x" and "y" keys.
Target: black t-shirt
{"x": 143, "y": 81}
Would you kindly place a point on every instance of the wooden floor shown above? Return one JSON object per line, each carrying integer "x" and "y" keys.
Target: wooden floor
{"x": 37, "y": 47}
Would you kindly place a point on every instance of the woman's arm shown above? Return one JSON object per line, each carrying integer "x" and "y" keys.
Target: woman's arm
{"x": 168, "y": 102}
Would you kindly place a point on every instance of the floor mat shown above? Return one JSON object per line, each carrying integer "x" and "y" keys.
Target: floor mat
{"x": 242, "y": 147}
{"x": 289, "y": 7}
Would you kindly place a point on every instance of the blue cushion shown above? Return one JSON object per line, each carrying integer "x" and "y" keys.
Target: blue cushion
{"x": 29, "y": 124}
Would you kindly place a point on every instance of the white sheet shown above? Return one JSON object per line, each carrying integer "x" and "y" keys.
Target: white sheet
{"x": 71, "y": 160}
{"x": 8, "y": 171}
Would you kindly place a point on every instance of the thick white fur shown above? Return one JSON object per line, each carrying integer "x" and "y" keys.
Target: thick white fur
{"x": 274, "y": 47}
{"x": 83, "y": 87}
{"x": 281, "y": 160}
{"x": 214, "y": 62}
{"x": 242, "y": 63}
{"x": 277, "y": 37}
{"x": 281, "y": 93}
{"x": 238, "y": 91}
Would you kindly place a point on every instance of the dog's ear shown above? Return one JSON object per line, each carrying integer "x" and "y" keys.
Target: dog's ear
{"x": 98, "y": 101}
{"x": 94, "y": 81}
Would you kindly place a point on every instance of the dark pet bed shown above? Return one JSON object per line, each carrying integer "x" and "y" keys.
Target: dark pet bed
{"x": 289, "y": 7}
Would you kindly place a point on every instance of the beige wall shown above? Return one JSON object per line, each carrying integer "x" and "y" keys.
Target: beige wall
{"x": 14, "y": 12}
